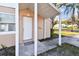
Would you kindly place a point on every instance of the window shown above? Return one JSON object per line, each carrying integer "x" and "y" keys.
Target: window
{"x": 7, "y": 22}
{"x": 3, "y": 27}
{"x": 11, "y": 27}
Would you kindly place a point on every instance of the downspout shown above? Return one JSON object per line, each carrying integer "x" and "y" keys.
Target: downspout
{"x": 43, "y": 28}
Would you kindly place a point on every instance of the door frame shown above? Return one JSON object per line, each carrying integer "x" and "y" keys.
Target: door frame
{"x": 27, "y": 40}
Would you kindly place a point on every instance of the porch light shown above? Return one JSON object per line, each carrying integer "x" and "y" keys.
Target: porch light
{"x": 27, "y": 11}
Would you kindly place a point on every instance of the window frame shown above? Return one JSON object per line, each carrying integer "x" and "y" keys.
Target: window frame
{"x": 8, "y": 32}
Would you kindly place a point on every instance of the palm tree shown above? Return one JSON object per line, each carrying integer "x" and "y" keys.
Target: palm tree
{"x": 70, "y": 7}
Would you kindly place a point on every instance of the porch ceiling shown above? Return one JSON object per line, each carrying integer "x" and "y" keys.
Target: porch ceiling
{"x": 26, "y": 5}
{"x": 47, "y": 10}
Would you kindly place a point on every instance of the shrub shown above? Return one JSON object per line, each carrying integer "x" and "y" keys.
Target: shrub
{"x": 7, "y": 51}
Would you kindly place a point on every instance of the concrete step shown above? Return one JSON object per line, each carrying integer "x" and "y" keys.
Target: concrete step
{"x": 71, "y": 40}
{"x": 42, "y": 47}
{"x": 27, "y": 50}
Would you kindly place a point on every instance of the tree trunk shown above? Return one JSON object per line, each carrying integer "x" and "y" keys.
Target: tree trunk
{"x": 73, "y": 18}
{"x": 78, "y": 19}
{"x": 52, "y": 30}
{"x": 78, "y": 14}
{"x": 52, "y": 27}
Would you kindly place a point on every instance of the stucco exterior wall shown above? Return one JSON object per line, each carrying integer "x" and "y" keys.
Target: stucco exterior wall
{"x": 7, "y": 39}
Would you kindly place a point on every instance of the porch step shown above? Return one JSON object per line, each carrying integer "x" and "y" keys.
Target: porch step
{"x": 28, "y": 43}
{"x": 71, "y": 40}
{"x": 27, "y": 50}
{"x": 43, "y": 47}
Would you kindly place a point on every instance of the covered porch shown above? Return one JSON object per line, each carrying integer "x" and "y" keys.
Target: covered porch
{"x": 45, "y": 42}
{"x": 44, "y": 12}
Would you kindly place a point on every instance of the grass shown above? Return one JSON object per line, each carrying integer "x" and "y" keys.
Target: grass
{"x": 64, "y": 50}
{"x": 67, "y": 33}
{"x": 54, "y": 35}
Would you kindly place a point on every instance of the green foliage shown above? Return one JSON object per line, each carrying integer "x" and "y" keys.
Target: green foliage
{"x": 70, "y": 28}
{"x": 70, "y": 7}
{"x": 7, "y": 51}
{"x": 54, "y": 35}
{"x": 3, "y": 47}
{"x": 66, "y": 22}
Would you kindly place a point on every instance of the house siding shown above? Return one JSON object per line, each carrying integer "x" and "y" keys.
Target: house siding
{"x": 40, "y": 27}
{"x": 44, "y": 26}
{"x": 41, "y": 23}
{"x": 47, "y": 27}
{"x": 7, "y": 10}
{"x": 7, "y": 39}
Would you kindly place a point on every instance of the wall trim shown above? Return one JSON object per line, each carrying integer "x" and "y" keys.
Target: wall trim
{"x": 6, "y": 33}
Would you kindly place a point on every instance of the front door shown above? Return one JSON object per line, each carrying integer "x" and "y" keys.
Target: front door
{"x": 27, "y": 21}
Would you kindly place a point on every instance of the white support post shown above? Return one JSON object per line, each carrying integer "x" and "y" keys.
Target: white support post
{"x": 17, "y": 29}
{"x": 35, "y": 29}
{"x": 59, "y": 31}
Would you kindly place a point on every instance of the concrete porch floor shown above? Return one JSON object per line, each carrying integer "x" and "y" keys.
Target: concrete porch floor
{"x": 28, "y": 49}
{"x": 43, "y": 46}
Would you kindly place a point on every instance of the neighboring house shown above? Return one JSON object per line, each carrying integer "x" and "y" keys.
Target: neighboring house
{"x": 45, "y": 11}
{"x": 7, "y": 24}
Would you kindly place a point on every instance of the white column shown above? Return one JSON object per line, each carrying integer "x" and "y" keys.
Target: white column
{"x": 35, "y": 29}
{"x": 44, "y": 28}
{"x": 17, "y": 29}
{"x": 59, "y": 31}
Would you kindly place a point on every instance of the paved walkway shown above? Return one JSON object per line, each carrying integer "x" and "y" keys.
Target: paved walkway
{"x": 74, "y": 40}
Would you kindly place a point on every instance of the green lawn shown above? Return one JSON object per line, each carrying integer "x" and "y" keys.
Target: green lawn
{"x": 64, "y": 33}
{"x": 67, "y": 33}
{"x": 64, "y": 50}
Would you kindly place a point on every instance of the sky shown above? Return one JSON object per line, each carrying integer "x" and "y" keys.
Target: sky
{"x": 9, "y": 4}
{"x": 65, "y": 16}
